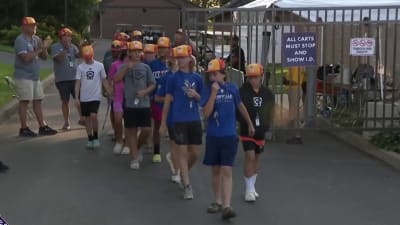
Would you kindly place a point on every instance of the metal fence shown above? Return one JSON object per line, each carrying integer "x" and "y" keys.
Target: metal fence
{"x": 333, "y": 68}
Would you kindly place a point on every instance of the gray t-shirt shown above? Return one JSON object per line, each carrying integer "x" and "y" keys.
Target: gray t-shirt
{"x": 138, "y": 78}
{"x": 22, "y": 70}
{"x": 65, "y": 70}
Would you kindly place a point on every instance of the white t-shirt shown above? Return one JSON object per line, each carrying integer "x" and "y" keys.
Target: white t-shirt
{"x": 91, "y": 77}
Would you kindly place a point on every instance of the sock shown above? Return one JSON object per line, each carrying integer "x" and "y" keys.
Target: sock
{"x": 90, "y": 137}
{"x": 95, "y": 135}
{"x": 253, "y": 181}
{"x": 249, "y": 185}
{"x": 156, "y": 149}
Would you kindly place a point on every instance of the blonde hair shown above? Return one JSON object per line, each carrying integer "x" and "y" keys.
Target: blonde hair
{"x": 192, "y": 64}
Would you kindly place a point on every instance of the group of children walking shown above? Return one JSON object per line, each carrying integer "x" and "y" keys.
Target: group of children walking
{"x": 155, "y": 82}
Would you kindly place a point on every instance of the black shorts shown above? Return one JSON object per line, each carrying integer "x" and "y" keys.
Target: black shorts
{"x": 88, "y": 108}
{"x": 188, "y": 133}
{"x": 66, "y": 89}
{"x": 250, "y": 146}
{"x": 137, "y": 117}
{"x": 171, "y": 133}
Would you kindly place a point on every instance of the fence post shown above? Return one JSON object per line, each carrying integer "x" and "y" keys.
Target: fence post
{"x": 310, "y": 97}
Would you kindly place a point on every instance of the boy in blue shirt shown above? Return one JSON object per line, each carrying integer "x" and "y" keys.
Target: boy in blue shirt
{"x": 183, "y": 88}
{"x": 220, "y": 101}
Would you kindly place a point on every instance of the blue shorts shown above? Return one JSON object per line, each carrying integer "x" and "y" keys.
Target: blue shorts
{"x": 220, "y": 151}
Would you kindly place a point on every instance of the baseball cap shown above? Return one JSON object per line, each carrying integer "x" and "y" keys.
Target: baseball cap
{"x": 164, "y": 42}
{"x": 150, "y": 48}
{"x": 121, "y": 36}
{"x": 135, "y": 45}
{"x": 136, "y": 33}
{"x": 116, "y": 45}
{"x": 254, "y": 70}
{"x": 28, "y": 21}
{"x": 87, "y": 52}
{"x": 216, "y": 65}
{"x": 64, "y": 32}
{"x": 182, "y": 51}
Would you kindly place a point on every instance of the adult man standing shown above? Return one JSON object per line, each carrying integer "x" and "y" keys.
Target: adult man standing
{"x": 64, "y": 54}
{"x": 29, "y": 48}
{"x": 236, "y": 58}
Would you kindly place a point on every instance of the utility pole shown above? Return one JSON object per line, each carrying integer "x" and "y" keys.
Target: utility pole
{"x": 65, "y": 12}
{"x": 25, "y": 7}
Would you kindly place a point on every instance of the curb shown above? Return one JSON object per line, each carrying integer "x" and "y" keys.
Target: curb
{"x": 11, "y": 108}
{"x": 362, "y": 144}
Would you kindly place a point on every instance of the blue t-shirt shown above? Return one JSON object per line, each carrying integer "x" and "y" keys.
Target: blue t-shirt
{"x": 184, "y": 109}
{"x": 159, "y": 69}
{"x": 161, "y": 91}
{"x": 222, "y": 121}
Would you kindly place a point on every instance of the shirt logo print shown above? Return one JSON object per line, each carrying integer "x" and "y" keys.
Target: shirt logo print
{"x": 257, "y": 101}
{"x": 89, "y": 75}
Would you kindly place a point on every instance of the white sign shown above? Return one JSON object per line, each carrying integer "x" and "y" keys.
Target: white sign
{"x": 362, "y": 46}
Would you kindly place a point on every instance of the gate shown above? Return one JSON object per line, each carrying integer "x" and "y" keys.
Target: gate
{"x": 329, "y": 68}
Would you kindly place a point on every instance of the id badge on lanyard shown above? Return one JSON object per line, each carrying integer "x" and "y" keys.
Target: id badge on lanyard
{"x": 257, "y": 120}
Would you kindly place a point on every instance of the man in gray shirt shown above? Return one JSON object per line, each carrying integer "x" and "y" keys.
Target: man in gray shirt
{"x": 64, "y": 54}
{"x": 29, "y": 48}
{"x": 139, "y": 83}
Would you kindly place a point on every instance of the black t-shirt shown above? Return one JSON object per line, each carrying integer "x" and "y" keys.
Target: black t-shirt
{"x": 259, "y": 105}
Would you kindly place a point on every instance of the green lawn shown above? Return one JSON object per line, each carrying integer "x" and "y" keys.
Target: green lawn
{"x": 7, "y": 70}
{"x": 6, "y": 48}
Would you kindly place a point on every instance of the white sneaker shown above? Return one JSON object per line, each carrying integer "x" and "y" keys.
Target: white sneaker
{"x": 117, "y": 148}
{"x": 249, "y": 197}
{"x": 96, "y": 143}
{"x": 169, "y": 160}
{"x": 126, "y": 150}
{"x": 256, "y": 194}
{"x": 135, "y": 165}
{"x": 176, "y": 178}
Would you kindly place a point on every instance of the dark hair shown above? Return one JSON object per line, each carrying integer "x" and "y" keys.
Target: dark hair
{"x": 235, "y": 38}
{"x": 123, "y": 54}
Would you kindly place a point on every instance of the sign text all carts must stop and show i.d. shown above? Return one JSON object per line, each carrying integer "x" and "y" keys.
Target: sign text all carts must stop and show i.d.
{"x": 299, "y": 49}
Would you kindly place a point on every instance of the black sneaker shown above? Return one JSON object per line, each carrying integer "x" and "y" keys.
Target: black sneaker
{"x": 26, "y": 132}
{"x": 214, "y": 208}
{"x": 3, "y": 167}
{"x": 46, "y": 130}
{"x": 228, "y": 213}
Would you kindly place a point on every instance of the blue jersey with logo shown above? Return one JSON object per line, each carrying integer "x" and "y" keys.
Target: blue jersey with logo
{"x": 222, "y": 121}
{"x": 185, "y": 109}
{"x": 161, "y": 91}
{"x": 159, "y": 69}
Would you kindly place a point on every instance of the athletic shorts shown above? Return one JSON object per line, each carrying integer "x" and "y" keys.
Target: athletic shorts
{"x": 156, "y": 112}
{"x": 220, "y": 151}
{"x": 66, "y": 89}
{"x": 188, "y": 133}
{"x": 88, "y": 108}
{"x": 118, "y": 107}
{"x": 28, "y": 90}
{"x": 137, "y": 117}
{"x": 250, "y": 144}
{"x": 171, "y": 133}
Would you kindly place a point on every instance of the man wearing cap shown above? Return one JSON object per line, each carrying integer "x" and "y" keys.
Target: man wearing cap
{"x": 29, "y": 48}
{"x": 159, "y": 68}
{"x": 137, "y": 35}
{"x": 139, "y": 83}
{"x": 64, "y": 55}
{"x": 259, "y": 102}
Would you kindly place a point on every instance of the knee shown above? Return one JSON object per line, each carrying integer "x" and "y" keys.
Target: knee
{"x": 226, "y": 171}
{"x": 250, "y": 156}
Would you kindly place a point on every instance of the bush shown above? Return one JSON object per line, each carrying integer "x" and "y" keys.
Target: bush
{"x": 387, "y": 140}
